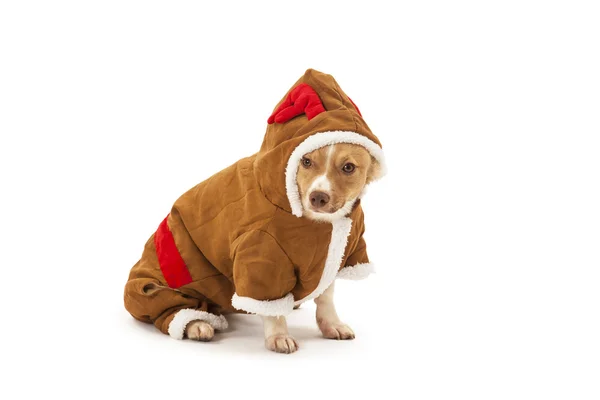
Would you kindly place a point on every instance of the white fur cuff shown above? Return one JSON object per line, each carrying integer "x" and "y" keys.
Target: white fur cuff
{"x": 356, "y": 272}
{"x": 267, "y": 308}
{"x": 187, "y": 315}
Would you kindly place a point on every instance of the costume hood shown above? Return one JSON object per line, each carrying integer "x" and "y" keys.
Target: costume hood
{"x": 314, "y": 113}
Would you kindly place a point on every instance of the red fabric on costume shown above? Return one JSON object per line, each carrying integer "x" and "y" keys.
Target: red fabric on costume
{"x": 171, "y": 264}
{"x": 302, "y": 100}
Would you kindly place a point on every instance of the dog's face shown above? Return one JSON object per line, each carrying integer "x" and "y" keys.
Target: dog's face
{"x": 331, "y": 178}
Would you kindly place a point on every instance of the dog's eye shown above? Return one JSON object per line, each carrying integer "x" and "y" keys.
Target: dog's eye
{"x": 349, "y": 168}
{"x": 306, "y": 162}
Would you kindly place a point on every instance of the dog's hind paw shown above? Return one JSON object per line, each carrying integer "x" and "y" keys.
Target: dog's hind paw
{"x": 199, "y": 330}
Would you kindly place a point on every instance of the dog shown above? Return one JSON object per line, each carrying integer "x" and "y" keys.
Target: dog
{"x": 269, "y": 232}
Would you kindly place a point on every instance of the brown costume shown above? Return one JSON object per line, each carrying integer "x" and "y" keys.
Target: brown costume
{"x": 238, "y": 241}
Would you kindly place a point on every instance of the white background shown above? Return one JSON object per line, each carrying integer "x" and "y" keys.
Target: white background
{"x": 486, "y": 232}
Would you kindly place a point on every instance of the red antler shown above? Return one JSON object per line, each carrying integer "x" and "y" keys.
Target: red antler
{"x": 302, "y": 100}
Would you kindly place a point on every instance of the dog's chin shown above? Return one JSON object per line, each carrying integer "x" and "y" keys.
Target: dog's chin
{"x": 329, "y": 216}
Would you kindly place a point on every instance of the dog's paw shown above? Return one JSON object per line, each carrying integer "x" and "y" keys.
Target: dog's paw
{"x": 336, "y": 331}
{"x": 199, "y": 330}
{"x": 281, "y": 343}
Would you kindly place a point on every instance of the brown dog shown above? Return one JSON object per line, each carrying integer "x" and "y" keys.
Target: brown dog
{"x": 269, "y": 232}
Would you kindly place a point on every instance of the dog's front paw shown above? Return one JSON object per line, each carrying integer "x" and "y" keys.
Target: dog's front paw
{"x": 338, "y": 331}
{"x": 199, "y": 330}
{"x": 281, "y": 343}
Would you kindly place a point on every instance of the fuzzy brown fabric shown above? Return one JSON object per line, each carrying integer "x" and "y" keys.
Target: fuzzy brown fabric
{"x": 236, "y": 233}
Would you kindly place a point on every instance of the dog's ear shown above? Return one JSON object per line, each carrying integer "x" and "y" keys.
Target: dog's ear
{"x": 374, "y": 171}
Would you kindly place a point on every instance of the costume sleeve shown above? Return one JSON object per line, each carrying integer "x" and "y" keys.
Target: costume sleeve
{"x": 357, "y": 264}
{"x": 263, "y": 276}
{"x": 149, "y": 299}
{"x": 170, "y": 310}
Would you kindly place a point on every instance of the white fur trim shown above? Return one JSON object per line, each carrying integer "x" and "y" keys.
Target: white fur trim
{"x": 187, "y": 315}
{"x": 267, "y": 308}
{"x": 356, "y": 272}
{"x": 339, "y": 239}
{"x": 315, "y": 142}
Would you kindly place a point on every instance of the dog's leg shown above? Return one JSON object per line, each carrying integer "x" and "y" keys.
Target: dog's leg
{"x": 199, "y": 330}
{"x": 328, "y": 320}
{"x": 277, "y": 337}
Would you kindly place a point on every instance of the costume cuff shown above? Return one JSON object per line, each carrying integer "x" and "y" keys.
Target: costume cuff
{"x": 267, "y": 308}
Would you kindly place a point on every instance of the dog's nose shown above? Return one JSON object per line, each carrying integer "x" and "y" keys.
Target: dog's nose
{"x": 319, "y": 199}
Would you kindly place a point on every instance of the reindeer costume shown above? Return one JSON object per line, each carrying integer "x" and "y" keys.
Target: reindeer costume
{"x": 238, "y": 241}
